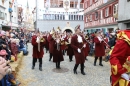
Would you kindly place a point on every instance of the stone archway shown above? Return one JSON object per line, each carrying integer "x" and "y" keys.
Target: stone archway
{"x": 66, "y": 28}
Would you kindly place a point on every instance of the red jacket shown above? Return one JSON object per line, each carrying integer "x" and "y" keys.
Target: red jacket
{"x": 36, "y": 53}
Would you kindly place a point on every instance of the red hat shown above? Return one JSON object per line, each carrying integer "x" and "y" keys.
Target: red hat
{"x": 3, "y": 52}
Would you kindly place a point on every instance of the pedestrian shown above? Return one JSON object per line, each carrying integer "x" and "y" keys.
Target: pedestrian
{"x": 77, "y": 43}
{"x": 99, "y": 48}
{"x": 37, "y": 42}
{"x": 51, "y": 43}
{"x": 57, "y": 52}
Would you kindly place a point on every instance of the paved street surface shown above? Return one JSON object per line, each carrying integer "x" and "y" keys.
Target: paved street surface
{"x": 95, "y": 76}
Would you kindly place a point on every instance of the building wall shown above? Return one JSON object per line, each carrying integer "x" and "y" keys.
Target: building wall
{"x": 124, "y": 10}
{"x": 48, "y": 25}
{"x": 124, "y": 14}
{"x": 100, "y": 15}
{"x": 3, "y": 11}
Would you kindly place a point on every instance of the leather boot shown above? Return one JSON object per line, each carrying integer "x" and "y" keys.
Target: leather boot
{"x": 59, "y": 65}
{"x": 75, "y": 68}
{"x": 40, "y": 67}
{"x": 82, "y": 69}
{"x": 95, "y": 60}
{"x": 56, "y": 65}
{"x": 100, "y": 61}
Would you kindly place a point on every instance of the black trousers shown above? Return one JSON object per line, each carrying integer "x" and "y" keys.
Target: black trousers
{"x": 51, "y": 56}
{"x": 100, "y": 60}
{"x": 35, "y": 60}
{"x": 58, "y": 64}
{"x": 70, "y": 57}
{"x": 82, "y": 67}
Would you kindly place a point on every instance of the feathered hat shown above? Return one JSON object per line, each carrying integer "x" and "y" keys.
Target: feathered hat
{"x": 77, "y": 27}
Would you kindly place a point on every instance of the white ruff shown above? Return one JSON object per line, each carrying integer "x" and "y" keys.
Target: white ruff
{"x": 80, "y": 40}
{"x": 69, "y": 40}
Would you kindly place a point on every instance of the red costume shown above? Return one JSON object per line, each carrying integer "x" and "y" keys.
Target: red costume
{"x": 99, "y": 47}
{"x": 36, "y": 53}
{"x": 86, "y": 50}
{"x": 37, "y": 50}
{"x": 51, "y": 43}
{"x": 47, "y": 43}
{"x": 118, "y": 58}
{"x": 57, "y": 54}
{"x": 80, "y": 57}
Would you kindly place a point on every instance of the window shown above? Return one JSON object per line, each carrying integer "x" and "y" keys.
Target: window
{"x": 15, "y": 19}
{"x": 75, "y": 17}
{"x": 115, "y": 9}
{"x": 60, "y": 16}
{"x": 71, "y": 4}
{"x": 96, "y": 15}
{"x": 71, "y": 17}
{"x": 96, "y": 0}
{"x": 86, "y": 4}
{"x": 61, "y": 4}
{"x": 86, "y": 20}
{"x": 53, "y": 17}
{"x": 90, "y": 18}
{"x": 106, "y": 12}
{"x": 91, "y": 1}
{"x": 63, "y": 17}
{"x": 15, "y": 8}
{"x": 81, "y": 5}
{"x": 5, "y": 16}
{"x": 128, "y": 25}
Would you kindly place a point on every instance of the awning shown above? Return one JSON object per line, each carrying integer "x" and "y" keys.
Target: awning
{"x": 6, "y": 27}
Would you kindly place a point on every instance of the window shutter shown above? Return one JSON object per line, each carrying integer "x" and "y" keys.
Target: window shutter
{"x": 88, "y": 3}
{"x": 85, "y": 19}
{"x": 110, "y": 10}
{"x": 103, "y": 13}
{"x": 93, "y": 1}
{"x": 93, "y": 16}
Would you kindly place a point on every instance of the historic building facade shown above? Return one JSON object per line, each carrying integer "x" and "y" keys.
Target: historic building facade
{"x": 54, "y": 13}
{"x": 8, "y": 14}
{"x": 100, "y": 15}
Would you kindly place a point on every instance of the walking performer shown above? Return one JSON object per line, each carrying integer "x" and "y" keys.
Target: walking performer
{"x": 63, "y": 40}
{"x": 77, "y": 43}
{"x": 69, "y": 49}
{"x": 86, "y": 49}
{"x": 47, "y": 43}
{"x": 51, "y": 43}
{"x": 37, "y": 42}
{"x": 120, "y": 60}
{"x": 57, "y": 52}
{"x": 99, "y": 48}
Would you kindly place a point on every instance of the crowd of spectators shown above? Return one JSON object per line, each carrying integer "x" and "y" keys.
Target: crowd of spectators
{"x": 11, "y": 43}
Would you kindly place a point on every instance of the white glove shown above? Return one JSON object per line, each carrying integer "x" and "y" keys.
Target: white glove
{"x": 79, "y": 51}
{"x": 84, "y": 45}
{"x": 125, "y": 76}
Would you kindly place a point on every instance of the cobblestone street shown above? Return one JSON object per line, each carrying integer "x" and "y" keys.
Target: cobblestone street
{"x": 95, "y": 75}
